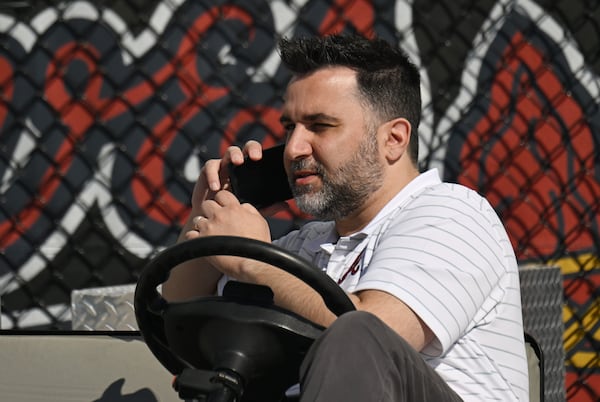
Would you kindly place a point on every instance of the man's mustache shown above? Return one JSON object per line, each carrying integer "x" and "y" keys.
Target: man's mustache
{"x": 306, "y": 164}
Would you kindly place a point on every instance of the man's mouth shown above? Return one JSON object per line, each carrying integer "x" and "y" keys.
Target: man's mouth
{"x": 305, "y": 177}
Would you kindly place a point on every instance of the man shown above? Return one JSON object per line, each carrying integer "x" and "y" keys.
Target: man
{"x": 428, "y": 265}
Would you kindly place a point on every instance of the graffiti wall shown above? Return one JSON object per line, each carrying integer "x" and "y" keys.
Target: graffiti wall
{"x": 109, "y": 109}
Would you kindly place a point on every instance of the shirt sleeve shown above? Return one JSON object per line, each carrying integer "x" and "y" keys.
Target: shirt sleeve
{"x": 442, "y": 256}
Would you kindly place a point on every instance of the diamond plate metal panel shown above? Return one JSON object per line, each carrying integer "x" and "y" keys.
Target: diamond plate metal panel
{"x": 105, "y": 308}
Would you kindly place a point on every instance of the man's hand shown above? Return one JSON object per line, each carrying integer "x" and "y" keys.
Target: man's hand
{"x": 225, "y": 216}
{"x": 215, "y": 175}
{"x": 196, "y": 278}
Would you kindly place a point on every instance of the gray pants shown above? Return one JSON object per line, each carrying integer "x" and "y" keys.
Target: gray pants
{"x": 359, "y": 358}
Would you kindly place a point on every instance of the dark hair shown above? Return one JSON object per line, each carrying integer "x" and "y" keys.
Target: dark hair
{"x": 386, "y": 78}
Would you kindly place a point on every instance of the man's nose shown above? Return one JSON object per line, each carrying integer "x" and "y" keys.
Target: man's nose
{"x": 298, "y": 144}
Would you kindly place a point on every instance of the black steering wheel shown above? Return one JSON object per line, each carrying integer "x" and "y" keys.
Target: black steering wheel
{"x": 238, "y": 344}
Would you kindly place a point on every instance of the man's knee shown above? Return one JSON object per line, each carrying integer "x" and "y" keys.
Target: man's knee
{"x": 354, "y": 337}
{"x": 354, "y": 322}
{"x": 357, "y": 343}
{"x": 361, "y": 331}
{"x": 355, "y": 329}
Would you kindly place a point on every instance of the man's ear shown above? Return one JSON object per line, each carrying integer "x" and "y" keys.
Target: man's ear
{"x": 397, "y": 138}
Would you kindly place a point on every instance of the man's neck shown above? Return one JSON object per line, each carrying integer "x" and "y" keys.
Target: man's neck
{"x": 360, "y": 218}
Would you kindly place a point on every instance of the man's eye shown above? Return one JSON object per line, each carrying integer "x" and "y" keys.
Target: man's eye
{"x": 289, "y": 128}
{"x": 316, "y": 127}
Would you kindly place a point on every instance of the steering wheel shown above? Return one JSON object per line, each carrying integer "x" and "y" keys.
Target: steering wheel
{"x": 236, "y": 344}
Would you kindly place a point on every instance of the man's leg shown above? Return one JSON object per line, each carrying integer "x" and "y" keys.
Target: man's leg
{"x": 359, "y": 358}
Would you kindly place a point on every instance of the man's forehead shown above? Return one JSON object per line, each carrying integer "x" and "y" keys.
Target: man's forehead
{"x": 323, "y": 95}
{"x": 311, "y": 107}
{"x": 326, "y": 74}
{"x": 321, "y": 85}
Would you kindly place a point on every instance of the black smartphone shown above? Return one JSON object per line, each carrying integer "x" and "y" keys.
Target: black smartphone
{"x": 261, "y": 183}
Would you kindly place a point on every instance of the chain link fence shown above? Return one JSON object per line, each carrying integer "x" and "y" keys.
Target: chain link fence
{"x": 109, "y": 109}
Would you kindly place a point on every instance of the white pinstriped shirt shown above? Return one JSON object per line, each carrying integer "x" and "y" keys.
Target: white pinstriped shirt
{"x": 442, "y": 250}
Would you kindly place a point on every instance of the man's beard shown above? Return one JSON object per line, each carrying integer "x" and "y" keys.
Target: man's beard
{"x": 343, "y": 191}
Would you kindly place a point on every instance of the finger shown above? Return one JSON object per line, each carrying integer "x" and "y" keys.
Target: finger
{"x": 211, "y": 208}
{"x": 198, "y": 220}
{"x": 212, "y": 173}
{"x": 224, "y": 198}
{"x": 216, "y": 170}
{"x": 253, "y": 149}
{"x": 234, "y": 155}
{"x": 192, "y": 234}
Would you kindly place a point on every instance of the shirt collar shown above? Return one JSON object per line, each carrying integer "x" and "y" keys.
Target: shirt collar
{"x": 419, "y": 183}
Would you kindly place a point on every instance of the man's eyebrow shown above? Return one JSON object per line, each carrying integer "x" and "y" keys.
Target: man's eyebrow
{"x": 310, "y": 118}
